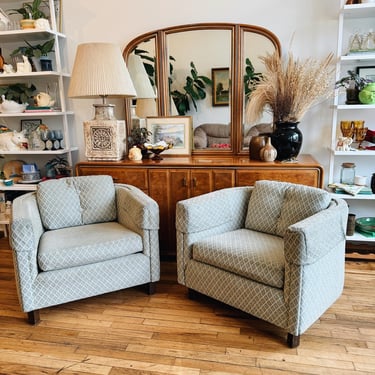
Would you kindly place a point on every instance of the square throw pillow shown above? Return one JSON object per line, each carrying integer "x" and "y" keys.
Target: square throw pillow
{"x": 59, "y": 204}
{"x": 265, "y": 206}
{"x": 299, "y": 203}
{"x": 97, "y": 198}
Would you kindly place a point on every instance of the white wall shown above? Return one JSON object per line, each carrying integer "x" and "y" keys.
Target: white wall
{"x": 307, "y": 27}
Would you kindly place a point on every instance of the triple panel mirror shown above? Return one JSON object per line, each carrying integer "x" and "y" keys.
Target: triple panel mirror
{"x": 205, "y": 71}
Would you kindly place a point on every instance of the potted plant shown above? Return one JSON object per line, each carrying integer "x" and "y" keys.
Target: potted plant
{"x": 15, "y": 97}
{"x": 58, "y": 167}
{"x": 288, "y": 89}
{"x": 353, "y": 83}
{"x": 37, "y": 53}
{"x": 138, "y": 137}
{"x": 30, "y": 12}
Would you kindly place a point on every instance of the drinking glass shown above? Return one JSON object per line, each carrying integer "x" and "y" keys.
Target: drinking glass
{"x": 59, "y": 136}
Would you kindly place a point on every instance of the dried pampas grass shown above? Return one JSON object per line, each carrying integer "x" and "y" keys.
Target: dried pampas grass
{"x": 289, "y": 89}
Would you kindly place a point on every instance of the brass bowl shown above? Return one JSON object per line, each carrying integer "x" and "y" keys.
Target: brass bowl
{"x": 157, "y": 150}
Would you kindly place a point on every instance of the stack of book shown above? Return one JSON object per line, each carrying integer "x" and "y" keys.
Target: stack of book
{"x": 349, "y": 189}
{"x": 32, "y": 109}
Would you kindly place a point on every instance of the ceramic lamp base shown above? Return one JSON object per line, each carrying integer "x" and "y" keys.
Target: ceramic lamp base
{"x": 104, "y": 139}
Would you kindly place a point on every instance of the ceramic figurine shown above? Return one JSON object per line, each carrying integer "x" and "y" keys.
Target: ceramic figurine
{"x": 343, "y": 143}
{"x": 135, "y": 153}
{"x": 13, "y": 141}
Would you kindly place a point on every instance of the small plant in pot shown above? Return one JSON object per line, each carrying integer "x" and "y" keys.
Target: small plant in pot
{"x": 30, "y": 12}
{"x": 138, "y": 137}
{"x": 353, "y": 83}
{"x": 57, "y": 168}
{"x": 37, "y": 54}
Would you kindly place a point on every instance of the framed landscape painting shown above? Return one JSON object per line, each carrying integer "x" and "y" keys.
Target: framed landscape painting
{"x": 172, "y": 129}
{"x": 220, "y": 86}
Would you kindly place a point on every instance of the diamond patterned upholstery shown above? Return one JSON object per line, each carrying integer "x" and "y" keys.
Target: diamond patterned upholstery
{"x": 286, "y": 266}
{"x": 109, "y": 240}
{"x": 86, "y": 244}
{"x": 255, "y": 255}
{"x": 78, "y": 202}
{"x": 274, "y": 206}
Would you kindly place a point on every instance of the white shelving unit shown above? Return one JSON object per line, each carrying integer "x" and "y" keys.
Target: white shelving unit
{"x": 59, "y": 119}
{"x": 352, "y": 19}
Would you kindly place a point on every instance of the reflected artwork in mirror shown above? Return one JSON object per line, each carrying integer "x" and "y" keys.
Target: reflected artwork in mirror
{"x": 181, "y": 62}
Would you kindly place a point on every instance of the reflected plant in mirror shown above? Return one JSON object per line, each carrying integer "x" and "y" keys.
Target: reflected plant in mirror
{"x": 170, "y": 52}
{"x": 251, "y": 78}
{"x": 194, "y": 89}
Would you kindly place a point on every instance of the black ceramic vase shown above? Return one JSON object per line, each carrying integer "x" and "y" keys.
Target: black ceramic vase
{"x": 287, "y": 139}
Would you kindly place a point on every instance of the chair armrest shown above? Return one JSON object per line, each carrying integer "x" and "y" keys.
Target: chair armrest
{"x": 26, "y": 223}
{"x": 200, "y": 138}
{"x": 309, "y": 240}
{"x": 136, "y": 210}
{"x": 140, "y": 213}
{"x": 26, "y": 229}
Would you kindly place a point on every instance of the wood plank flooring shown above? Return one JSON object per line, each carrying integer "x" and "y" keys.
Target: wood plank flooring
{"x": 129, "y": 332}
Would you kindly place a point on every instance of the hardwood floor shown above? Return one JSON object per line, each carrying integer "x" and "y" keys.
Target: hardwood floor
{"x": 129, "y": 332}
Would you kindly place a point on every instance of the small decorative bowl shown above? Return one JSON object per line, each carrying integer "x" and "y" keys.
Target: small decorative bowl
{"x": 366, "y": 224}
{"x": 8, "y": 182}
{"x": 158, "y": 148}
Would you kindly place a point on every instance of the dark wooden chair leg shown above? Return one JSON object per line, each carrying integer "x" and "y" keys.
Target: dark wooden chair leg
{"x": 192, "y": 294}
{"x": 151, "y": 288}
{"x": 292, "y": 340}
{"x": 33, "y": 317}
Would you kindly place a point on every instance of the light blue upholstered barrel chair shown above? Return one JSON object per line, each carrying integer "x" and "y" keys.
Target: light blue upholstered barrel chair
{"x": 78, "y": 237}
{"x": 275, "y": 251}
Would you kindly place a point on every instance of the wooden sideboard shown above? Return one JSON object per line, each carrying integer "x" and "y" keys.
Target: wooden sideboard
{"x": 176, "y": 178}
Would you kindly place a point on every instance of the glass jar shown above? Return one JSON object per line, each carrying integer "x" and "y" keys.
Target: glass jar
{"x": 347, "y": 173}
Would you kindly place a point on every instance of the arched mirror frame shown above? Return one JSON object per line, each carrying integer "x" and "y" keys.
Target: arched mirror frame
{"x": 237, "y": 72}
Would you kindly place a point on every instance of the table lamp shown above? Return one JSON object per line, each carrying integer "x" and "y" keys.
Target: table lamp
{"x": 99, "y": 70}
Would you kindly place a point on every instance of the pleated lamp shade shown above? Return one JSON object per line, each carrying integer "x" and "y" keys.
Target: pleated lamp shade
{"x": 99, "y": 70}
{"x": 146, "y": 108}
{"x": 140, "y": 78}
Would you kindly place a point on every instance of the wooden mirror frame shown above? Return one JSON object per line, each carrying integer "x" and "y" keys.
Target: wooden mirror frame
{"x": 237, "y": 73}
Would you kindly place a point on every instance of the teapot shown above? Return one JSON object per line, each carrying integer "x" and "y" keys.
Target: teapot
{"x": 43, "y": 100}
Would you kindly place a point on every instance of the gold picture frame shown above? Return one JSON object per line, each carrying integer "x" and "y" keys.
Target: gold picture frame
{"x": 172, "y": 129}
{"x": 220, "y": 86}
